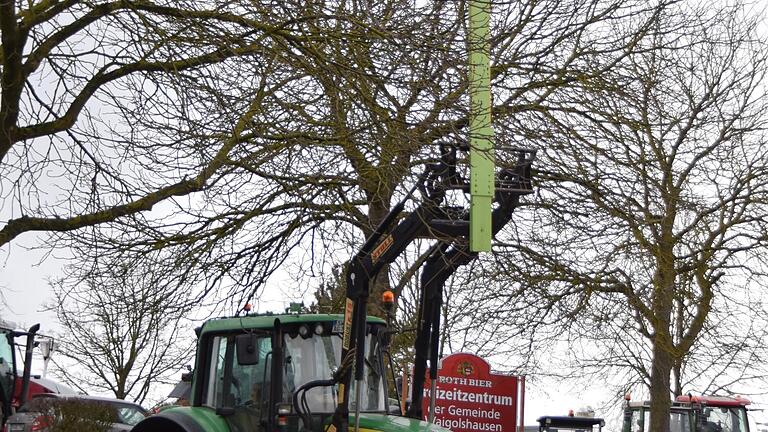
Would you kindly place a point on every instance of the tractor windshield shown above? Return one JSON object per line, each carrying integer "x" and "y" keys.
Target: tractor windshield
{"x": 679, "y": 421}
{"x": 724, "y": 419}
{"x": 307, "y": 357}
{"x": 317, "y": 358}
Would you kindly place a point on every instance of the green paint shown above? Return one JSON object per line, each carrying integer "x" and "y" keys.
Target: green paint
{"x": 481, "y": 155}
{"x": 208, "y": 421}
{"x": 205, "y": 417}
{"x": 392, "y": 423}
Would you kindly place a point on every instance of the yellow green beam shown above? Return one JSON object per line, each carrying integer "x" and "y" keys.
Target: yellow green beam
{"x": 481, "y": 155}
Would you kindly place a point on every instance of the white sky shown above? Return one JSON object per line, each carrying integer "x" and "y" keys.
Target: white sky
{"x": 23, "y": 283}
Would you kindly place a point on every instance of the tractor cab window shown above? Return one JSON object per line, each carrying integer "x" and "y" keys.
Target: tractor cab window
{"x": 238, "y": 380}
{"x": 235, "y": 385}
{"x": 313, "y": 356}
{"x": 6, "y": 365}
{"x": 724, "y": 419}
{"x": 637, "y": 421}
{"x": 679, "y": 421}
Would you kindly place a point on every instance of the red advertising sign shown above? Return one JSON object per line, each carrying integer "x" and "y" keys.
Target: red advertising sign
{"x": 470, "y": 398}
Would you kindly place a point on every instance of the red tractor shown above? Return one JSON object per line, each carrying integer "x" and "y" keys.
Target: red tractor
{"x": 693, "y": 414}
{"x": 14, "y": 390}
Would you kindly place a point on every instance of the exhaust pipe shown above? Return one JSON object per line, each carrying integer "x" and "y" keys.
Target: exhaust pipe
{"x": 28, "y": 363}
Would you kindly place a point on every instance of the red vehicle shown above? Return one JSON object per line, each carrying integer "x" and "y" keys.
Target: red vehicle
{"x": 693, "y": 414}
{"x": 14, "y": 390}
{"x": 718, "y": 413}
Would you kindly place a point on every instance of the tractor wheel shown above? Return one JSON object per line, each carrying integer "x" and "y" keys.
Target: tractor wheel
{"x": 168, "y": 422}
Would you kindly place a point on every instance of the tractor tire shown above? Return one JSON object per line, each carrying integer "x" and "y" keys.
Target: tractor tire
{"x": 168, "y": 422}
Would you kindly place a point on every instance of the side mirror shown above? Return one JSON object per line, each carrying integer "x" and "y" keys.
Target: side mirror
{"x": 248, "y": 348}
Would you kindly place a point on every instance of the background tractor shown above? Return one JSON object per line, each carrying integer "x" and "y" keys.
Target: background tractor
{"x": 693, "y": 414}
{"x": 14, "y": 390}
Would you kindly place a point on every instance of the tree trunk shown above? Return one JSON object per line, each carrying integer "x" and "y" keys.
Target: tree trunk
{"x": 661, "y": 369}
{"x": 677, "y": 362}
{"x": 677, "y": 371}
{"x": 377, "y": 211}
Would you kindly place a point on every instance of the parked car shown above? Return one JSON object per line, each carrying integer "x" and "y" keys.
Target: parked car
{"x": 35, "y": 415}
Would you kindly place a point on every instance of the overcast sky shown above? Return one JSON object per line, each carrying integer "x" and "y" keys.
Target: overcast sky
{"x": 23, "y": 283}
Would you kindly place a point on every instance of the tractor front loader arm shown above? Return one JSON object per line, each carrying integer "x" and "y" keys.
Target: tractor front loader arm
{"x": 442, "y": 263}
{"x": 381, "y": 248}
{"x": 431, "y": 219}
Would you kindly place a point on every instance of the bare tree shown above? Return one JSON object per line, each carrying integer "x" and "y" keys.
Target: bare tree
{"x": 345, "y": 124}
{"x": 74, "y": 74}
{"x": 269, "y": 134}
{"x": 120, "y": 333}
{"x": 653, "y": 193}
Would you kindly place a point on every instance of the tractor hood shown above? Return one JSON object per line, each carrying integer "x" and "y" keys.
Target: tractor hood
{"x": 391, "y": 423}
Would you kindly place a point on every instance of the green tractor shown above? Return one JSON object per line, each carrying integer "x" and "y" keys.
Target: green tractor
{"x": 326, "y": 373}
{"x": 237, "y": 388}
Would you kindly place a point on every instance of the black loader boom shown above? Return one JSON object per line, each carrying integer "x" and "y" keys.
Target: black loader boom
{"x": 431, "y": 219}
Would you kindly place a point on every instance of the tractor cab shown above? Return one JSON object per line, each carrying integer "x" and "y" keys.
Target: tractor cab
{"x": 692, "y": 414}
{"x": 7, "y": 371}
{"x": 718, "y": 413}
{"x": 274, "y": 372}
{"x": 244, "y": 375}
{"x": 570, "y": 424}
{"x": 637, "y": 417}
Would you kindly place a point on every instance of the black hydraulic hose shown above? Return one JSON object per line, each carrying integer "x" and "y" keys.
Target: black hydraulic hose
{"x": 432, "y": 269}
{"x": 434, "y": 343}
{"x": 306, "y": 417}
{"x": 28, "y": 363}
{"x": 360, "y": 315}
{"x": 398, "y": 391}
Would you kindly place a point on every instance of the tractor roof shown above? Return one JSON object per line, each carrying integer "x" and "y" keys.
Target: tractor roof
{"x": 569, "y": 421}
{"x": 7, "y": 325}
{"x": 267, "y": 321}
{"x": 676, "y": 405}
{"x": 717, "y": 401}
